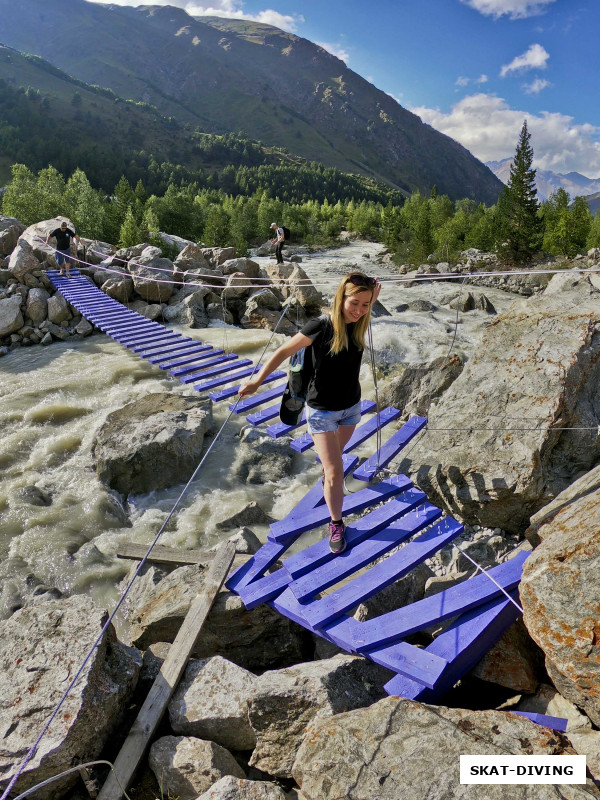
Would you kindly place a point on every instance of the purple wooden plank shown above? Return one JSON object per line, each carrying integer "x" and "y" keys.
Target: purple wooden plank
{"x": 193, "y": 373}
{"x": 206, "y": 386}
{"x": 135, "y": 332}
{"x": 256, "y": 566}
{"x": 248, "y": 403}
{"x": 187, "y": 354}
{"x": 459, "y": 599}
{"x": 265, "y": 414}
{"x": 281, "y": 429}
{"x": 382, "y": 538}
{"x": 202, "y": 362}
{"x": 160, "y": 339}
{"x": 263, "y": 589}
{"x": 367, "y": 470}
{"x": 109, "y": 313}
{"x": 352, "y": 505}
{"x": 143, "y": 337}
{"x": 320, "y": 612}
{"x": 554, "y": 723}
{"x": 315, "y": 497}
{"x": 360, "y": 435}
{"x": 462, "y": 644}
{"x": 225, "y": 394}
{"x": 184, "y": 341}
{"x": 158, "y": 349}
{"x": 230, "y": 363}
{"x": 287, "y": 605}
{"x": 419, "y": 665}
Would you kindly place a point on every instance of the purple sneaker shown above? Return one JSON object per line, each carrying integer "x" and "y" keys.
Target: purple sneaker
{"x": 337, "y": 542}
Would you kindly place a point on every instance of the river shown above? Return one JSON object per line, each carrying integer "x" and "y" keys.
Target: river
{"x": 54, "y": 399}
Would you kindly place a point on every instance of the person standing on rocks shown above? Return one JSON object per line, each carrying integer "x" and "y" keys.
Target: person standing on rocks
{"x": 278, "y": 241}
{"x": 63, "y": 236}
{"x": 335, "y": 343}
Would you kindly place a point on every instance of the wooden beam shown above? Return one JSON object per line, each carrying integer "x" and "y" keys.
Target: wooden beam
{"x": 166, "y": 682}
{"x": 164, "y": 555}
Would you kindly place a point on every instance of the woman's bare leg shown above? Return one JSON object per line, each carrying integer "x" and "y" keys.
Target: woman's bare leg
{"x": 329, "y": 447}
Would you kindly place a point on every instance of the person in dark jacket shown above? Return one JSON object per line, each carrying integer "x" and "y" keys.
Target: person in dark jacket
{"x": 333, "y": 397}
{"x": 63, "y": 236}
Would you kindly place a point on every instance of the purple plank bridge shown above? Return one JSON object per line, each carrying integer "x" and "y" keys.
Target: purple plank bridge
{"x": 399, "y": 530}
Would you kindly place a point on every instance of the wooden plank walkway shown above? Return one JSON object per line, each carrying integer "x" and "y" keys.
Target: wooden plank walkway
{"x": 312, "y": 587}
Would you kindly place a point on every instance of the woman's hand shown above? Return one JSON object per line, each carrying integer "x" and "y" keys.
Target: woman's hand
{"x": 249, "y": 387}
{"x": 376, "y": 290}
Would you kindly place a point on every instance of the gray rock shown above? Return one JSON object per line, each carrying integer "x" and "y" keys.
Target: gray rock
{"x": 151, "y": 443}
{"x": 56, "y": 330}
{"x": 420, "y": 384}
{"x": 40, "y": 648}
{"x": 407, "y": 590}
{"x": 58, "y": 310}
{"x": 191, "y": 258}
{"x": 10, "y": 230}
{"x": 37, "y": 305}
{"x": 153, "y": 278}
{"x": 515, "y": 661}
{"x": 379, "y": 310}
{"x": 46, "y": 339}
{"x": 245, "y": 542}
{"x": 255, "y": 639}
{"x": 216, "y": 312}
{"x": 421, "y": 305}
{"x": 537, "y": 367}
{"x": 560, "y": 592}
{"x": 230, "y": 788}
{"x": 260, "y": 459}
{"x": 119, "y": 288}
{"x": 287, "y": 700}
{"x": 237, "y": 287}
{"x": 22, "y": 260}
{"x": 252, "y": 514}
{"x": 84, "y": 328}
{"x": 34, "y": 496}
{"x": 184, "y": 767}
{"x": 400, "y": 750}
{"x": 211, "y": 702}
{"x": 11, "y": 319}
{"x": 245, "y": 266}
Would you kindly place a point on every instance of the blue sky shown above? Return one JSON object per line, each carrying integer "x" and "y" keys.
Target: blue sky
{"x": 473, "y": 69}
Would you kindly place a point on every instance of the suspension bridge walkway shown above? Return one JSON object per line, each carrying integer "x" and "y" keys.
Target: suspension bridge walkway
{"x": 393, "y": 527}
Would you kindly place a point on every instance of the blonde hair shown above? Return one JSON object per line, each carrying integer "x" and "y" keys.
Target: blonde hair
{"x": 340, "y": 331}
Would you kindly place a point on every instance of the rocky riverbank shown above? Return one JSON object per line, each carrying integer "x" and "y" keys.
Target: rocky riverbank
{"x": 266, "y": 710}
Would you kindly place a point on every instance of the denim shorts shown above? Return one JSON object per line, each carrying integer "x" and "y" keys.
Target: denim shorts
{"x": 63, "y": 255}
{"x": 324, "y": 421}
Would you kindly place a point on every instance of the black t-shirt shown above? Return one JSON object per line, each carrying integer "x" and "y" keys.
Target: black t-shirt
{"x": 335, "y": 384}
{"x": 63, "y": 238}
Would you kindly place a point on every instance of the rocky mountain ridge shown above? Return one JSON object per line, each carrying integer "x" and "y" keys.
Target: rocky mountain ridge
{"x": 547, "y": 182}
{"x": 224, "y": 75}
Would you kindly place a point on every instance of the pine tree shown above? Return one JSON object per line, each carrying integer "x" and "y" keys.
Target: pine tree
{"x": 521, "y": 226}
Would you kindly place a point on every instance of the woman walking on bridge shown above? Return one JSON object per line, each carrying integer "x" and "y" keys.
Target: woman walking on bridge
{"x": 335, "y": 344}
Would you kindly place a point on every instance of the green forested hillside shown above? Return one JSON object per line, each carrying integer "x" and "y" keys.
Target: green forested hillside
{"x": 230, "y": 75}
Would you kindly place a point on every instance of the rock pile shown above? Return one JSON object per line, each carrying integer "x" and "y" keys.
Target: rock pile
{"x": 201, "y": 285}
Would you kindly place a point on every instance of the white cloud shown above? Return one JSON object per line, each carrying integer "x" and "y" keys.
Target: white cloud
{"x": 536, "y": 86}
{"x": 335, "y": 50}
{"x": 489, "y": 128}
{"x": 514, "y": 9}
{"x": 535, "y": 58}
{"x": 233, "y": 9}
{"x": 462, "y": 81}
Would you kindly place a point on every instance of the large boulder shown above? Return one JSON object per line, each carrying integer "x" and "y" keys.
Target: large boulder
{"x": 41, "y": 648}
{"x": 11, "y": 319}
{"x": 211, "y": 702}
{"x": 118, "y": 287}
{"x": 560, "y": 591}
{"x": 420, "y": 384}
{"x": 10, "y": 230}
{"x": 184, "y": 766}
{"x": 255, "y": 639}
{"x": 230, "y": 788}
{"x": 22, "y": 261}
{"x": 58, "y": 310}
{"x": 37, "y": 305}
{"x": 151, "y": 443}
{"x": 153, "y": 277}
{"x": 401, "y": 750}
{"x": 286, "y": 701}
{"x": 500, "y": 452}
{"x": 191, "y": 258}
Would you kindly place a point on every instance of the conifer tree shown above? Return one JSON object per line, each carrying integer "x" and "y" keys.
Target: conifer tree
{"x": 520, "y": 225}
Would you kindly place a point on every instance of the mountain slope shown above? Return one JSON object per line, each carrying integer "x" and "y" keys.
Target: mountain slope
{"x": 547, "y": 182}
{"x": 229, "y": 75}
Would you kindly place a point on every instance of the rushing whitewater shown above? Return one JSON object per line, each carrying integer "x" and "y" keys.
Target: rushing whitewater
{"x": 54, "y": 400}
